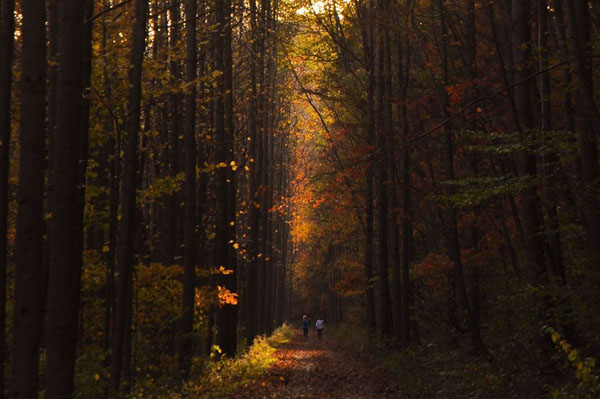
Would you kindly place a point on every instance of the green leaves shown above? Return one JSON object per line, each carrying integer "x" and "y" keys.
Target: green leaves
{"x": 162, "y": 186}
{"x": 474, "y": 191}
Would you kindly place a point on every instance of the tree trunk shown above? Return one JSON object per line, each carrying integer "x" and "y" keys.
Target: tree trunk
{"x": 404, "y": 59}
{"x": 368, "y": 48}
{"x": 226, "y": 317}
{"x": 68, "y": 174}
{"x": 190, "y": 241}
{"x": 251, "y": 328}
{"x": 30, "y": 199}
{"x": 381, "y": 175}
{"x": 579, "y": 33}
{"x": 555, "y": 255}
{"x": 7, "y": 28}
{"x": 530, "y": 206}
{"x": 174, "y": 131}
{"x": 453, "y": 244}
{"x": 125, "y": 244}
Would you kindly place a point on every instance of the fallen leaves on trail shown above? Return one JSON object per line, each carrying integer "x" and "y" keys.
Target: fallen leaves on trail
{"x": 320, "y": 369}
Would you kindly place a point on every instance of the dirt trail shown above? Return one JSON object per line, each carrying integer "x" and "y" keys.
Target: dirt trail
{"x": 321, "y": 369}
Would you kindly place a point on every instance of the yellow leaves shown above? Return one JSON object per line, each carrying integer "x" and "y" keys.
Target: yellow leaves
{"x": 226, "y": 297}
{"x": 97, "y": 377}
{"x": 572, "y": 355}
{"x": 163, "y": 186}
{"x": 583, "y": 367}
{"x": 223, "y": 270}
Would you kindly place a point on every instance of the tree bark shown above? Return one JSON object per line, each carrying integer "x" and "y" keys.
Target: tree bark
{"x": 530, "y": 205}
{"x": 579, "y": 34}
{"x": 251, "y": 328}
{"x": 381, "y": 175}
{"x": 453, "y": 244}
{"x": 555, "y": 255}
{"x": 368, "y": 49}
{"x": 124, "y": 264}
{"x": 68, "y": 174}
{"x": 226, "y": 317}
{"x": 404, "y": 60}
{"x": 190, "y": 236}
{"x": 30, "y": 199}
{"x": 7, "y": 28}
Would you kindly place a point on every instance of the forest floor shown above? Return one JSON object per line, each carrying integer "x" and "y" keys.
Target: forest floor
{"x": 321, "y": 368}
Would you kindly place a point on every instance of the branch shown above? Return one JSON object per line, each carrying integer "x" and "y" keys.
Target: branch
{"x": 477, "y": 100}
{"x": 107, "y": 10}
{"x": 330, "y": 139}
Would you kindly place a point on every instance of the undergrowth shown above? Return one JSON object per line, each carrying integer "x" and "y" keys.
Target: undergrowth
{"x": 226, "y": 376}
{"x": 435, "y": 370}
{"x": 429, "y": 371}
{"x": 216, "y": 379}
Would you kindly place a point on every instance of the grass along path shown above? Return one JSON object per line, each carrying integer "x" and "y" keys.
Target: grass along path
{"x": 321, "y": 369}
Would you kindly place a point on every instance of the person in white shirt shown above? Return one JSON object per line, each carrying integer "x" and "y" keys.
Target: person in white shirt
{"x": 319, "y": 325}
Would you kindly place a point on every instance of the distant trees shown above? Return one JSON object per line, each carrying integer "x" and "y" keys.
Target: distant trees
{"x": 470, "y": 167}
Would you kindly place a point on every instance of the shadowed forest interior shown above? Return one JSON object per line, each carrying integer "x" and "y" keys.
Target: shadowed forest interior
{"x": 179, "y": 178}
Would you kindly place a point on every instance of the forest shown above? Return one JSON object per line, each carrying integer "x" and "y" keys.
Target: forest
{"x": 182, "y": 180}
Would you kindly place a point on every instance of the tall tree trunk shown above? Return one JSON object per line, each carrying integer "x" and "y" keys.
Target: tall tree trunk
{"x": 68, "y": 174}
{"x": 226, "y": 317}
{"x": 381, "y": 175}
{"x": 530, "y": 209}
{"x": 579, "y": 33}
{"x": 453, "y": 244}
{"x": 555, "y": 256}
{"x": 190, "y": 236}
{"x": 125, "y": 244}
{"x": 471, "y": 35}
{"x": 369, "y": 55}
{"x": 7, "y": 28}
{"x": 30, "y": 199}
{"x": 251, "y": 328}
{"x": 174, "y": 122}
{"x": 404, "y": 59}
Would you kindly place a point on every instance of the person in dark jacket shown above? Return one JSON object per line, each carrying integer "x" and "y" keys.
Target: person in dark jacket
{"x": 305, "y": 325}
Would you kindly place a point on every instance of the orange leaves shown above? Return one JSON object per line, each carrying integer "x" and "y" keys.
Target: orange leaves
{"x": 222, "y": 270}
{"x": 433, "y": 270}
{"x": 460, "y": 90}
{"x": 353, "y": 283}
{"x": 226, "y": 297}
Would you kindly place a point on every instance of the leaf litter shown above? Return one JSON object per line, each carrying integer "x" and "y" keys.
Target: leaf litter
{"x": 321, "y": 369}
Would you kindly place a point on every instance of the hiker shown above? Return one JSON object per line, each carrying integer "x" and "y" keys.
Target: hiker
{"x": 319, "y": 325}
{"x": 305, "y": 325}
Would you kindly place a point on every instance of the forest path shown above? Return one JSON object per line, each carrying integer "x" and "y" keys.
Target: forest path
{"x": 321, "y": 369}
